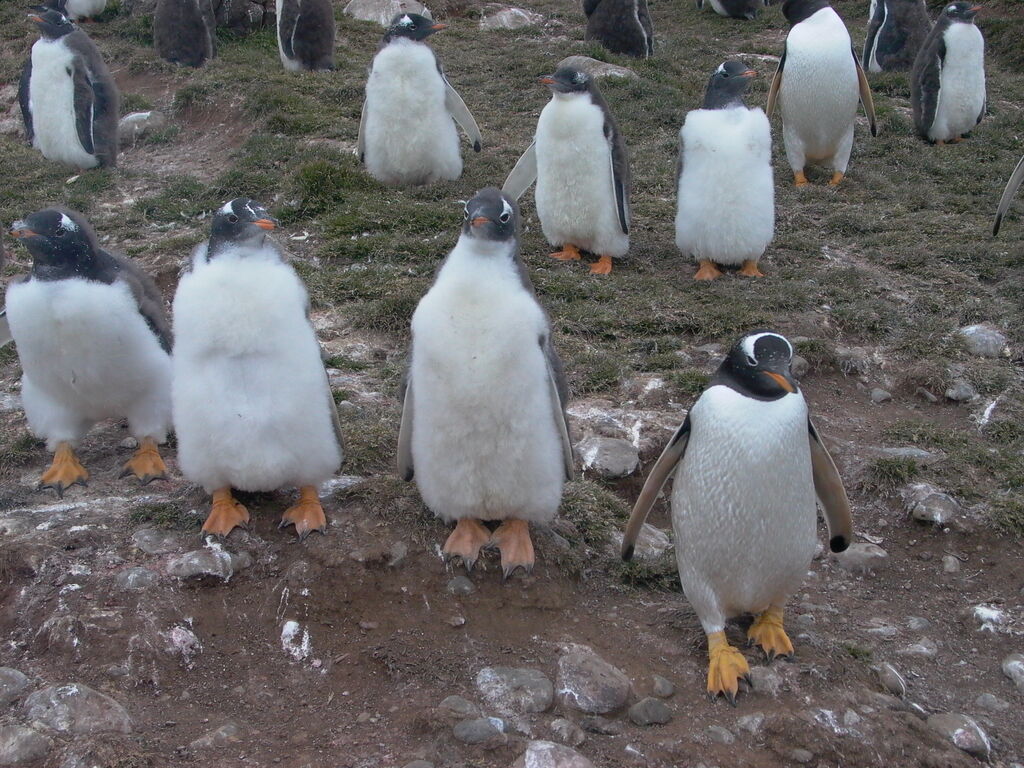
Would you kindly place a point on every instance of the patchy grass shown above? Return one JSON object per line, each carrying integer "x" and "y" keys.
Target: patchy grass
{"x": 167, "y": 515}
{"x": 886, "y": 475}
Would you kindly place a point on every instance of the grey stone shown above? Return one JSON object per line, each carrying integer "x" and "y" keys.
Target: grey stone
{"x": 992, "y": 703}
{"x": 510, "y": 18}
{"x": 154, "y": 541}
{"x": 460, "y": 706}
{"x": 751, "y": 723}
{"x": 950, "y": 564}
{"x": 461, "y": 585}
{"x": 12, "y": 684}
{"x": 136, "y": 125}
{"x": 983, "y": 340}
{"x": 799, "y": 366}
{"x": 1013, "y": 668}
{"x": 602, "y": 726}
{"x": 382, "y": 11}
{"x": 985, "y": 617}
{"x": 136, "y": 579}
{"x": 801, "y": 756}
{"x": 609, "y": 457}
{"x": 924, "y": 394}
{"x": 961, "y": 391}
{"x": 508, "y": 689}
{"x": 663, "y": 688}
{"x": 891, "y": 679}
{"x": 963, "y": 731}
{"x": 568, "y": 732}
{"x": 918, "y": 623}
{"x": 77, "y": 709}
{"x": 765, "y": 680}
{"x": 928, "y": 504}
{"x": 650, "y": 711}
{"x": 227, "y": 734}
{"x": 879, "y": 396}
{"x": 547, "y": 754}
{"x": 419, "y": 764}
{"x": 720, "y": 735}
{"x": 925, "y": 648}
{"x": 651, "y": 543}
{"x": 240, "y": 561}
{"x": 19, "y": 745}
{"x": 483, "y": 731}
{"x": 595, "y": 68}
{"x": 588, "y": 683}
{"x": 853, "y": 360}
{"x": 201, "y": 564}
{"x": 129, "y": 443}
{"x": 863, "y": 557}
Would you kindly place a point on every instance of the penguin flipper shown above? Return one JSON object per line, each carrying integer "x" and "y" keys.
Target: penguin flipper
{"x": 1012, "y": 185}
{"x": 523, "y": 174}
{"x": 672, "y": 455}
{"x": 286, "y": 27}
{"x": 828, "y": 485}
{"x": 361, "y": 141}
{"x": 85, "y": 107}
{"x": 460, "y": 113}
{"x": 925, "y": 82}
{"x": 620, "y": 175}
{"x": 405, "y": 467}
{"x": 23, "y": 100}
{"x": 865, "y": 93}
{"x": 559, "y": 397}
{"x": 773, "y": 91}
{"x": 5, "y": 329}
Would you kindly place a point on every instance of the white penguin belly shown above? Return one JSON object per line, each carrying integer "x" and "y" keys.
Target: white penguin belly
{"x": 250, "y": 396}
{"x": 961, "y": 83}
{"x": 743, "y": 504}
{"x": 484, "y": 442}
{"x": 87, "y": 354}
{"x": 52, "y": 104}
{"x": 575, "y": 197}
{"x": 726, "y": 195}
{"x": 410, "y": 137}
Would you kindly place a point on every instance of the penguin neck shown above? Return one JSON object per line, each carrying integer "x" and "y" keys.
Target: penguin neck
{"x": 717, "y": 99}
{"x": 84, "y": 267}
{"x": 481, "y": 262}
{"x": 220, "y": 246}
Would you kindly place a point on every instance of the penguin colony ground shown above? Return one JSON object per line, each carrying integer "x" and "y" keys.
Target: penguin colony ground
{"x": 483, "y": 429}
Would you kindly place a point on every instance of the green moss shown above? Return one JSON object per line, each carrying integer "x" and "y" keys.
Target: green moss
{"x": 886, "y": 475}
{"x": 166, "y": 515}
{"x": 182, "y": 198}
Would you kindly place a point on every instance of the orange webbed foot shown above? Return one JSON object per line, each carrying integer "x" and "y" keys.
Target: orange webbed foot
{"x": 707, "y": 271}
{"x": 836, "y": 178}
{"x": 767, "y": 632}
{"x": 65, "y": 471}
{"x": 146, "y": 464}
{"x": 225, "y": 514}
{"x": 464, "y": 543}
{"x": 603, "y": 266}
{"x": 799, "y": 179}
{"x": 307, "y": 515}
{"x": 750, "y": 269}
{"x": 726, "y": 667}
{"x": 512, "y": 538}
{"x": 568, "y": 253}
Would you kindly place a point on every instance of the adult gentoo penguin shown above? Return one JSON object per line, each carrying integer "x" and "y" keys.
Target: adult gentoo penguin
{"x": 896, "y": 31}
{"x": 76, "y": 10}
{"x": 185, "y": 31}
{"x": 69, "y": 101}
{"x": 252, "y": 406}
{"x": 725, "y": 212}
{"x": 305, "y": 34}
{"x": 406, "y": 134}
{"x": 483, "y": 403}
{"x": 947, "y": 83}
{"x": 94, "y": 343}
{"x": 817, "y": 86}
{"x": 735, "y": 9}
{"x": 1012, "y": 185}
{"x": 621, "y": 26}
{"x": 747, "y": 464}
{"x": 579, "y": 160}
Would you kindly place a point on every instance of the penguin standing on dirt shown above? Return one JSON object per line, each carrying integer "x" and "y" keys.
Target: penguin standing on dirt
{"x": 253, "y": 409}
{"x": 747, "y": 463}
{"x": 94, "y": 344}
{"x": 185, "y": 31}
{"x": 406, "y": 134}
{"x": 76, "y": 10}
{"x": 305, "y": 34}
{"x": 483, "y": 403}
{"x": 947, "y": 83}
{"x": 896, "y": 31}
{"x": 69, "y": 101}
{"x": 1012, "y": 185}
{"x": 817, "y": 86}
{"x": 726, "y": 195}
{"x": 621, "y": 26}
{"x": 736, "y": 9}
{"x": 579, "y": 161}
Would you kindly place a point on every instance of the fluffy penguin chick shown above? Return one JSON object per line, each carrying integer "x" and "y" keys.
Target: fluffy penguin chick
{"x": 483, "y": 405}
{"x": 749, "y": 465}
{"x": 579, "y": 161}
{"x": 305, "y": 34}
{"x": 185, "y": 31}
{"x": 947, "y": 84}
{"x": 252, "y": 406}
{"x": 735, "y": 9}
{"x": 896, "y": 31}
{"x": 817, "y": 86}
{"x": 94, "y": 343}
{"x": 406, "y": 134}
{"x": 76, "y": 10}
{"x": 726, "y": 196}
{"x": 621, "y": 26}
{"x": 69, "y": 101}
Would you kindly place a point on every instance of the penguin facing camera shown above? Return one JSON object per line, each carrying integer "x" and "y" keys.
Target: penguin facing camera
{"x": 621, "y": 26}
{"x": 736, "y": 9}
{"x": 1012, "y": 185}
{"x": 185, "y": 31}
{"x": 896, "y": 31}
{"x": 305, "y": 34}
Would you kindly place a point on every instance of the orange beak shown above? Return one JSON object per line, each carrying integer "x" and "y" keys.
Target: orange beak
{"x": 438, "y": 27}
{"x": 23, "y": 233}
{"x": 750, "y": 73}
{"x": 479, "y": 221}
{"x": 265, "y": 224}
{"x": 38, "y": 19}
{"x": 975, "y": 8}
{"x": 547, "y": 80}
{"x": 780, "y": 380}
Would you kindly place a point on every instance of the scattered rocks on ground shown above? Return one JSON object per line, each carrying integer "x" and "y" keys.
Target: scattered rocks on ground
{"x": 961, "y": 391}
{"x": 460, "y": 706}
{"x": 853, "y": 360}
{"x": 986, "y": 618}
{"x": 1013, "y": 668}
{"x": 154, "y": 541}
{"x": 963, "y": 731}
{"x": 12, "y": 684}
{"x": 651, "y": 543}
{"x": 925, "y": 648}
{"x": 602, "y": 726}
{"x": 991, "y": 702}
{"x": 650, "y": 711}
{"x": 383, "y": 11}
{"x": 77, "y": 709}
{"x": 751, "y": 723}
{"x": 928, "y": 504}
{"x": 229, "y": 733}
{"x": 983, "y": 340}
{"x": 206, "y": 563}
{"x": 799, "y": 366}
{"x": 863, "y": 557}
{"x": 891, "y": 679}
{"x": 765, "y": 680}
{"x": 136, "y": 579}
{"x": 481, "y": 731}
{"x": 950, "y": 564}
{"x": 138, "y": 124}
{"x": 608, "y": 457}
{"x": 19, "y": 745}
{"x": 515, "y": 690}
{"x": 595, "y": 68}
{"x": 588, "y": 683}
{"x": 510, "y": 18}
{"x": 802, "y": 756}
{"x": 568, "y": 732}
{"x": 461, "y": 585}
{"x": 663, "y": 688}
{"x": 721, "y": 735}
{"x": 879, "y": 396}
{"x": 924, "y": 394}
{"x": 547, "y": 754}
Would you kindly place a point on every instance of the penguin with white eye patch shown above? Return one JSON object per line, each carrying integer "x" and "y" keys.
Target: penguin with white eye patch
{"x": 746, "y": 464}
{"x": 896, "y": 31}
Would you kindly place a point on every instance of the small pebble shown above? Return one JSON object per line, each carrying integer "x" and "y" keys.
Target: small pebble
{"x": 649, "y": 711}
{"x": 801, "y": 756}
{"x": 950, "y": 564}
{"x": 461, "y": 585}
{"x": 720, "y": 735}
{"x": 663, "y": 688}
{"x": 879, "y": 396}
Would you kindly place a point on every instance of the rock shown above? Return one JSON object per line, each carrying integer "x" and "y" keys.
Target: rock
{"x": 662, "y": 688}
{"x": 1013, "y": 668}
{"x": 602, "y": 726}
{"x": 751, "y": 723}
{"x": 589, "y": 683}
{"x": 12, "y": 683}
{"x": 963, "y": 732}
{"x": 853, "y": 360}
{"x": 961, "y": 391}
{"x": 461, "y": 585}
{"x": 595, "y": 68}
{"x": 515, "y": 690}
{"x": 568, "y": 732}
{"x": 136, "y": 579}
{"x": 879, "y": 396}
{"x": 138, "y": 124}
{"x": 891, "y": 679}
{"x": 950, "y": 564}
{"x": 765, "y": 680}
{"x": 207, "y": 563}
{"x": 992, "y": 703}
{"x": 483, "y": 731}
{"x": 460, "y": 706}
{"x": 987, "y": 618}
{"x": 983, "y": 340}
{"x": 650, "y": 711}
{"x": 608, "y": 457}
{"x": 924, "y": 394}
{"x": 240, "y": 561}
{"x": 382, "y": 11}
{"x": 19, "y": 745}
{"x": 419, "y": 764}
{"x": 863, "y": 558}
{"x": 651, "y": 543}
{"x": 77, "y": 709}
{"x": 720, "y": 735}
{"x": 510, "y": 18}
{"x": 229, "y": 733}
{"x": 928, "y": 504}
{"x": 154, "y": 541}
{"x": 129, "y": 443}
{"x": 801, "y": 756}
{"x": 925, "y": 648}
{"x": 547, "y": 754}
{"x": 799, "y": 367}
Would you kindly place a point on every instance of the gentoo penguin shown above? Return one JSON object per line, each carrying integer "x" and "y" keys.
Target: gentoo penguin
{"x": 736, "y": 9}
{"x": 947, "y": 83}
{"x": 817, "y": 86}
{"x": 406, "y": 134}
{"x": 185, "y": 31}
{"x": 69, "y": 101}
{"x": 621, "y": 26}
{"x": 896, "y": 31}
{"x": 94, "y": 343}
{"x": 579, "y": 160}
{"x": 749, "y": 465}
{"x": 76, "y": 10}
{"x": 252, "y": 406}
{"x": 726, "y": 196}
{"x": 1012, "y": 185}
{"x": 483, "y": 402}
{"x": 305, "y": 34}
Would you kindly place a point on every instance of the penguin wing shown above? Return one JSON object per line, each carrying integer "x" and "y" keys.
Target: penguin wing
{"x": 672, "y": 455}
{"x": 361, "y": 141}
{"x": 1011, "y": 189}
{"x": 5, "y": 329}
{"x": 523, "y": 175}
{"x": 928, "y": 75}
{"x": 773, "y": 91}
{"x": 865, "y": 93}
{"x": 85, "y": 106}
{"x": 559, "y": 397}
{"x": 23, "y": 100}
{"x": 644, "y": 16}
{"x": 405, "y": 468}
{"x": 589, "y": 6}
{"x": 874, "y": 23}
{"x": 828, "y": 485}
{"x": 147, "y": 298}
{"x": 286, "y": 26}
{"x": 460, "y": 112}
{"x": 335, "y": 419}
{"x": 620, "y": 173}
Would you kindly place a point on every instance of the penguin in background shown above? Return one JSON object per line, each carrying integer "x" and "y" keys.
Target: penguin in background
{"x": 305, "y": 34}
{"x": 621, "y": 26}
{"x": 1012, "y": 185}
{"x": 76, "y": 10}
{"x": 947, "y": 83}
{"x": 406, "y": 133}
{"x": 746, "y": 463}
{"x": 252, "y": 406}
{"x": 896, "y": 31}
{"x": 94, "y": 344}
{"x": 483, "y": 428}
{"x": 817, "y": 85}
{"x": 69, "y": 101}
{"x": 579, "y": 160}
{"x": 725, "y": 212}
{"x": 736, "y": 9}
{"x": 185, "y": 31}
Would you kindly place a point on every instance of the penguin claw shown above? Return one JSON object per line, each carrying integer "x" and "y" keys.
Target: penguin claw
{"x": 226, "y": 514}
{"x": 146, "y": 464}
{"x": 767, "y": 631}
{"x": 307, "y": 515}
{"x": 512, "y": 538}
{"x": 65, "y": 471}
{"x": 465, "y": 541}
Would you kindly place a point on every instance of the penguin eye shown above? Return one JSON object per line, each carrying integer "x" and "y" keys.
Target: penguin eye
{"x": 505, "y": 217}
{"x": 752, "y": 360}
{"x": 233, "y": 219}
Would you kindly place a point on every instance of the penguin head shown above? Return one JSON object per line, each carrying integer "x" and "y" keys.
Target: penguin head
{"x": 728, "y": 84}
{"x": 412, "y": 26}
{"x": 759, "y": 365}
{"x": 61, "y": 242}
{"x": 491, "y": 215}
{"x": 961, "y": 12}
{"x": 240, "y": 222}
{"x": 52, "y": 23}
{"x": 566, "y": 81}
{"x": 796, "y": 11}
